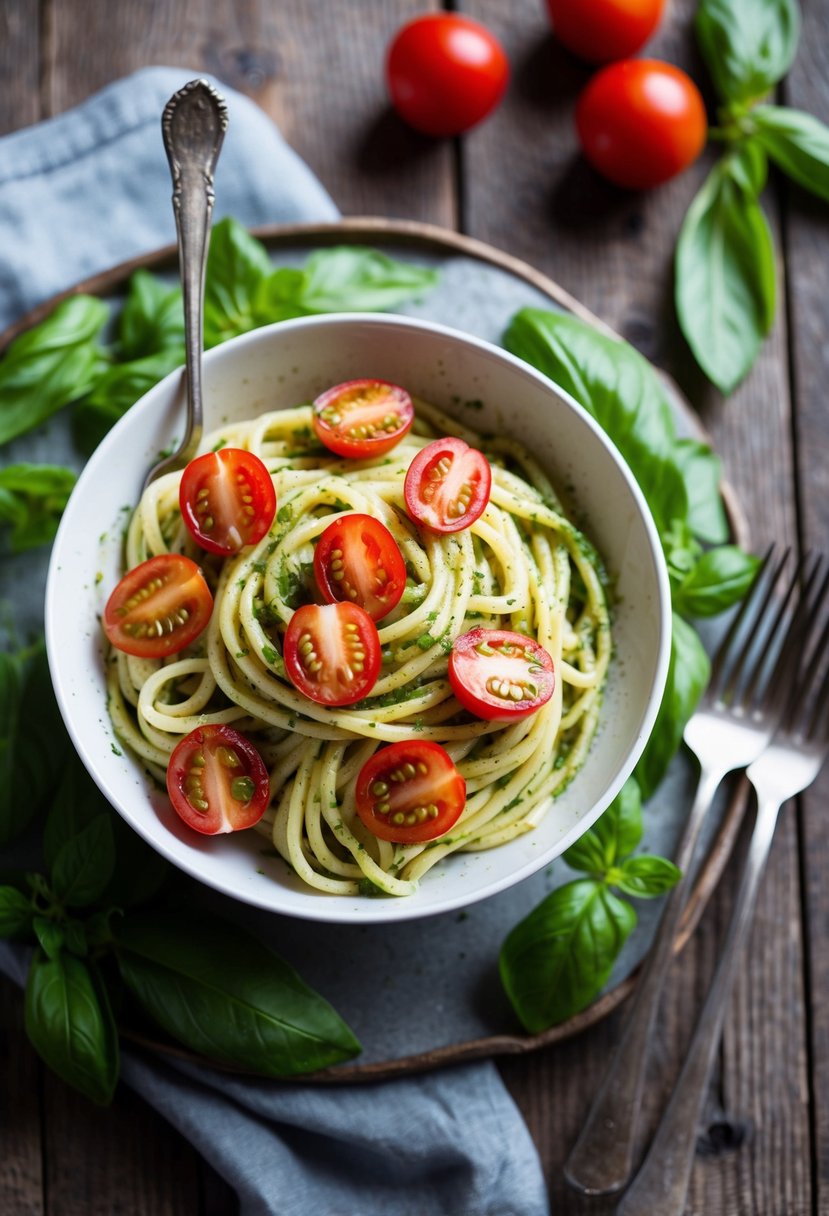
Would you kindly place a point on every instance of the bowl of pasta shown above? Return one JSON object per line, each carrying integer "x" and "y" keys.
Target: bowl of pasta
{"x": 389, "y": 644}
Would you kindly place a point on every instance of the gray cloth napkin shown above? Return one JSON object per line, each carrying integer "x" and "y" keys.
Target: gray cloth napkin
{"x": 78, "y": 194}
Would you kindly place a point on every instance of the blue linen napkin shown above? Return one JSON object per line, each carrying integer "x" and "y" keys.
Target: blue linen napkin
{"x": 79, "y": 193}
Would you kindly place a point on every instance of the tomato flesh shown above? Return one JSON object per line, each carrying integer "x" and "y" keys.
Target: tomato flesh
{"x": 640, "y": 122}
{"x": 158, "y": 608}
{"x": 332, "y": 652}
{"x": 227, "y": 500}
{"x": 362, "y": 418}
{"x": 217, "y": 781}
{"x": 445, "y": 73}
{"x": 499, "y": 675}
{"x": 410, "y": 792}
{"x": 357, "y": 560}
{"x": 601, "y": 30}
{"x": 447, "y": 485}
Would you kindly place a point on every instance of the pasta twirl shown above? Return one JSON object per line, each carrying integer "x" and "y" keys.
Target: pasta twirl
{"x": 521, "y": 566}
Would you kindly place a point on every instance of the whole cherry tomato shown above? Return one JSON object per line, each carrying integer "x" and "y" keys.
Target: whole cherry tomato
{"x": 445, "y": 73}
{"x": 601, "y": 30}
{"x": 640, "y": 122}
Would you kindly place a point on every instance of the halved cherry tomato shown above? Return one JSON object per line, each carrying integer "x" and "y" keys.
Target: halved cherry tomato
{"x": 410, "y": 792}
{"x": 159, "y": 607}
{"x": 227, "y": 500}
{"x": 447, "y": 485}
{"x": 357, "y": 560}
{"x": 332, "y": 652}
{"x": 217, "y": 781}
{"x": 499, "y": 675}
{"x": 362, "y": 418}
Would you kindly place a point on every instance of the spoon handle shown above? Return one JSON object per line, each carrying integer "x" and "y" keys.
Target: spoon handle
{"x": 193, "y": 126}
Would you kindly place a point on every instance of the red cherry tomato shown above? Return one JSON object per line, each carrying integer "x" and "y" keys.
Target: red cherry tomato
{"x": 159, "y": 607}
{"x": 217, "y": 781}
{"x": 227, "y": 500}
{"x": 447, "y": 485}
{"x": 445, "y": 73}
{"x": 641, "y": 122}
{"x": 601, "y": 30}
{"x": 499, "y": 675}
{"x": 410, "y": 792}
{"x": 357, "y": 560}
{"x": 362, "y": 418}
{"x": 332, "y": 652}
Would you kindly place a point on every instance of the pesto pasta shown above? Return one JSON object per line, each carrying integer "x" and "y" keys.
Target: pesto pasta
{"x": 522, "y": 566}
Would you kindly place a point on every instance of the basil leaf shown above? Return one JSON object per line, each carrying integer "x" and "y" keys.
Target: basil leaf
{"x": 621, "y": 391}
{"x": 50, "y": 935}
{"x": 70, "y": 1024}
{"x": 702, "y": 472}
{"x": 645, "y": 877}
{"x": 50, "y": 365}
{"x": 152, "y": 318}
{"x": 32, "y": 498}
{"x": 719, "y": 579}
{"x": 797, "y": 142}
{"x": 215, "y": 988}
{"x": 612, "y": 837}
{"x": 116, "y": 390}
{"x": 15, "y": 912}
{"x": 33, "y": 741}
{"x": 350, "y": 278}
{"x": 725, "y": 278}
{"x": 84, "y": 865}
{"x": 555, "y": 961}
{"x": 688, "y": 673}
{"x": 237, "y": 266}
{"x": 748, "y": 45}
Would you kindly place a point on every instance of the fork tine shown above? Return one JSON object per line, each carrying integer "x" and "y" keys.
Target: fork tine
{"x": 786, "y": 644}
{"x": 810, "y": 695}
{"x": 730, "y": 658}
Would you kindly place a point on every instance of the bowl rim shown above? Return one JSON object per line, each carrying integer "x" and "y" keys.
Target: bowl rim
{"x": 341, "y": 910}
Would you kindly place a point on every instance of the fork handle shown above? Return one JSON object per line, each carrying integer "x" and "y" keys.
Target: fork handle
{"x": 601, "y": 1160}
{"x": 662, "y": 1183}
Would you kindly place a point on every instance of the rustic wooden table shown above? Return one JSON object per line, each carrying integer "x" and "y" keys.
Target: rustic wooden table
{"x": 517, "y": 182}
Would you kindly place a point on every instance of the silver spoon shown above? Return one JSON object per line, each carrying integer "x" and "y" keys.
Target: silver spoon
{"x": 193, "y": 126}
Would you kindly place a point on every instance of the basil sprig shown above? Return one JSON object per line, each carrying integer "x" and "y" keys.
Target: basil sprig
{"x": 725, "y": 262}
{"x": 556, "y": 960}
{"x": 106, "y": 920}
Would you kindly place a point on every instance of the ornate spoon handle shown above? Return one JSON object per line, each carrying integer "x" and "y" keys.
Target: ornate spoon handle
{"x": 193, "y": 126}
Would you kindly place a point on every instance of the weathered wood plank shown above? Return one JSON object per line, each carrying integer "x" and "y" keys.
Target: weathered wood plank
{"x": 320, "y": 79}
{"x": 19, "y": 65}
{"x": 21, "y": 1182}
{"x": 527, "y": 190}
{"x": 806, "y": 234}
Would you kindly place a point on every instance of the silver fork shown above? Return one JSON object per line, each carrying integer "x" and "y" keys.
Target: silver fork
{"x": 733, "y": 723}
{"x": 790, "y": 764}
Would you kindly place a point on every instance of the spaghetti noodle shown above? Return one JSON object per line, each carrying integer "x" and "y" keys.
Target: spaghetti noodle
{"x": 522, "y": 566}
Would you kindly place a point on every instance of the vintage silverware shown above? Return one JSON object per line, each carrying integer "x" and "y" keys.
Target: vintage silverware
{"x": 193, "y": 126}
{"x": 788, "y": 765}
{"x": 734, "y": 722}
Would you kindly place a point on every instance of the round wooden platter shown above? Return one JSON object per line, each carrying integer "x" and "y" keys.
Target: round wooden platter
{"x": 425, "y": 239}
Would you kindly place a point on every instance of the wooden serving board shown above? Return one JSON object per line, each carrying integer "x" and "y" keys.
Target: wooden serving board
{"x": 426, "y": 993}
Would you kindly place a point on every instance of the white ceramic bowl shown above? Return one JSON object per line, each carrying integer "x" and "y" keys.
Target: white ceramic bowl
{"x": 280, "y": 366}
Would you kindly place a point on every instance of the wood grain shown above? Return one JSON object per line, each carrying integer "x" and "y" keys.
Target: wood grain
{"x": 517, "y": 182}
